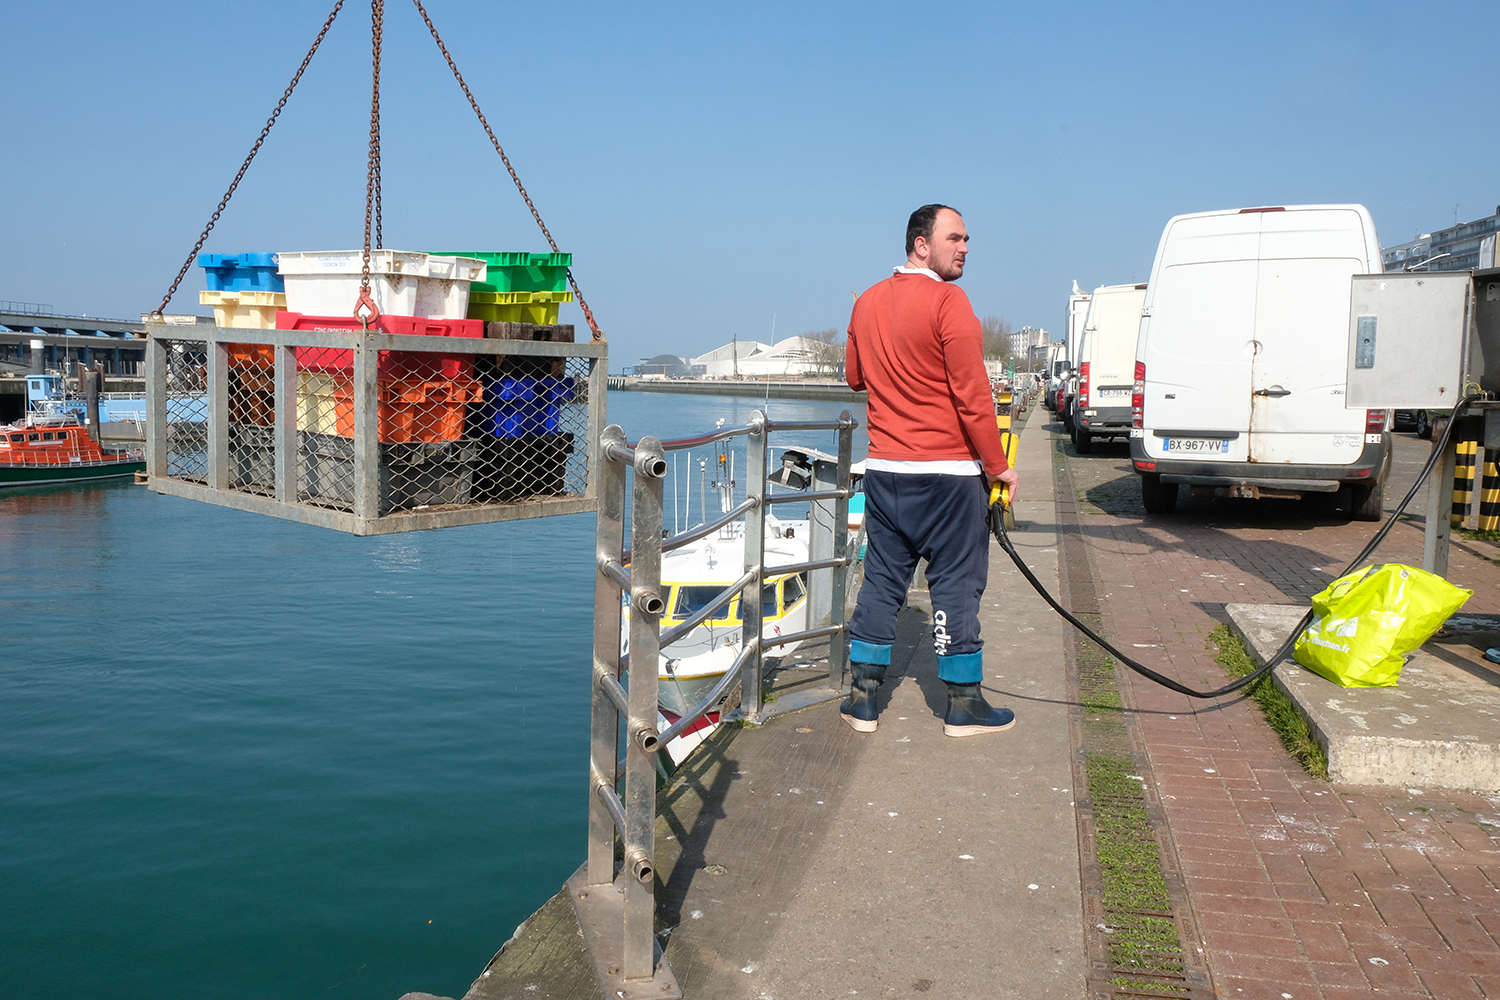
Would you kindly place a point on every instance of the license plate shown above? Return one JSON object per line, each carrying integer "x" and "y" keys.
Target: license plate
{"x": 1112, "y": 393}
{"x": 1195, "y": 445}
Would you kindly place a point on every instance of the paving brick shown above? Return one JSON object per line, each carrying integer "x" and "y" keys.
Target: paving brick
{"x": 1323, "y": 941}
{"x": 1398, "y": 908}
{"x": 1449, "y": 985}
{"x": 1342, "y": 973}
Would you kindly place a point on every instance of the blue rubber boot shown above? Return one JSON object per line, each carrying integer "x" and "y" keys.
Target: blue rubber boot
{"x": 970, "y": 715}
{"x": 859, "y": 708}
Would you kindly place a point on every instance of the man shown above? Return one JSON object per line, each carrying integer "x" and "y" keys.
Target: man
{"x": 916, "y": 348}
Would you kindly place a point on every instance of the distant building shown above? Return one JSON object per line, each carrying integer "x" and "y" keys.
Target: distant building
{"x": 1456, "y": 248}
{"x": 794, "y": 357}
{"x": 668, "y": 366}
{"x": 1024, "y": 339}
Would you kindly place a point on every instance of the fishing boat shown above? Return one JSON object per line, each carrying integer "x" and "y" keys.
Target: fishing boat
{"x": 45, "y": 450}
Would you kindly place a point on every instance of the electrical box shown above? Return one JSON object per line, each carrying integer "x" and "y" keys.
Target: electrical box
{"x": 1409, "y": 339}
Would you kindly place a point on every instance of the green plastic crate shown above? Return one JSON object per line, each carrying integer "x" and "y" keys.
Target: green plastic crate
{"x": 517, "y": 307}
{"x": 521, "y": 272}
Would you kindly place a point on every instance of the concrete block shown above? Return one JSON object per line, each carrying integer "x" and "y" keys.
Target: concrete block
{"x": 1438, "y": 728}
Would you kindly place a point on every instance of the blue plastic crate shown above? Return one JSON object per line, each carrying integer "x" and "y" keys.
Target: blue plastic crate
{"x": 522, "y": 407}
{"x": 241, "y": 272}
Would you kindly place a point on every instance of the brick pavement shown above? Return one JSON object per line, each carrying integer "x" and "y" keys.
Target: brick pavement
{"x": 1302, "y": 889}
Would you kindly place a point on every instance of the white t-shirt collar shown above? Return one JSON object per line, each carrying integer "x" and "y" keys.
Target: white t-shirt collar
{"x": 903, "y": 269}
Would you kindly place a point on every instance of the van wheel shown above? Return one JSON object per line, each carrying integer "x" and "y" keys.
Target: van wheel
{"x": 1367, "y": 502}
{"x": 1159, "y": 497}
{"x": 1424, "y": 425}
{"x": 1083, "y": 441}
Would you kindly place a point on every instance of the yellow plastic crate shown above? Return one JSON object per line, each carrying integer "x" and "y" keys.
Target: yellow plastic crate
{"x": 517, "y": 307}
{"x": 318, "y": 397}
{"x": 245, "y": 310}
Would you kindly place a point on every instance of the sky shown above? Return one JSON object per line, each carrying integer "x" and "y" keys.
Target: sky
{"x": 723, "y": 170}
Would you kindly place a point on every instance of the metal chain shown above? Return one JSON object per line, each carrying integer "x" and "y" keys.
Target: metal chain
{"x": 588, "y": 314}
{"x": 224, "y": 202}
{"x": 365, "y": 301}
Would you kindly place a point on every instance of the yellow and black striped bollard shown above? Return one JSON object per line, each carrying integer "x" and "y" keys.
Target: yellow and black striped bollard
{"x": 1463, "y": 482}
{"x": 1489, "y": 493}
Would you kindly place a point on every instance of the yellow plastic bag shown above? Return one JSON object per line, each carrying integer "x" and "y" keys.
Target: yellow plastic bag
{"x": 1367, "y": 621}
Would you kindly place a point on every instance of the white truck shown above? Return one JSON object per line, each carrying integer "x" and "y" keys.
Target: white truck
{"x": 1241, "y": 362}
{"x": 1106, "y": 365}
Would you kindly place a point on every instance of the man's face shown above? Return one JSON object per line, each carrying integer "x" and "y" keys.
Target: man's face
{"x": 948, "y": 246}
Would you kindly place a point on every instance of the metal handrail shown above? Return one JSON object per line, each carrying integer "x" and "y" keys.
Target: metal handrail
{"x": 704, "y": 530}
{"x": 712, "y": 698}
{"x": 810, "y": 425}
{"x": 700, "y": 616}
{"x": 805, "y": 496}
{"x": 805, "y": 567}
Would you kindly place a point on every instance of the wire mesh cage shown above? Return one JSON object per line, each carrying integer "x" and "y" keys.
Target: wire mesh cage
{"x": 373, "y": 432}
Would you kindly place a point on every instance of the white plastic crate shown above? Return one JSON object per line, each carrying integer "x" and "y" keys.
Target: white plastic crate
{"x": 326, "y": 282}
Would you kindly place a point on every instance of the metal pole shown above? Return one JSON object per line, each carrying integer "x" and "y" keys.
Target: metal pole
{"x": 755, "y": 557}
{"x": 218, "y": 415}
{"x": 157, "y": 375}
{"x": 285, "y": 395}
{"x": 1439, "y": 506}
{"x": 366, "y": 446}
{"x": 604, "y": 733}
{"x": 646, "y": 607}
{"x": 838, "y": 643}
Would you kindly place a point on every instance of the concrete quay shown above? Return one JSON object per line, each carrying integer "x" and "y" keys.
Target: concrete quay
{"x": 809, "y": 861}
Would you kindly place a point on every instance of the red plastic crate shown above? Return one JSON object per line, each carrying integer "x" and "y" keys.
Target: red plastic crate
{"x": 392, "y": 364}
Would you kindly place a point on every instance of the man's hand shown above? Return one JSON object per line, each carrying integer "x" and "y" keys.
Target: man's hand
{"x": 1007, "y": 478}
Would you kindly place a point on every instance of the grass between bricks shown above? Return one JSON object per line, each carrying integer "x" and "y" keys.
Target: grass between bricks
{"x": 1285, "y": 720}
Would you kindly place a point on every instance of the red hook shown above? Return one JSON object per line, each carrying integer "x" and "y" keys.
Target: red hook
{"x": 369, "y": 304}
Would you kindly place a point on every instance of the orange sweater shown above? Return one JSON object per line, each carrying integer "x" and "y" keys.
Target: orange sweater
{"x": 915, "y": 346}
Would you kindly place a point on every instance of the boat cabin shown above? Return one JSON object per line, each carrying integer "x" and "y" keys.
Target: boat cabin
{"x": 778, "y": 598}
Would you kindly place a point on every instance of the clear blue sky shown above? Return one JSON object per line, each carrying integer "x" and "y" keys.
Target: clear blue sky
{"x": 711, "y": 166}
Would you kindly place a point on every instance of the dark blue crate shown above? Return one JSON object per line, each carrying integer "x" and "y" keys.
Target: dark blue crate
{"x": 241, "y": 272}
{"x": 522, "y": 407}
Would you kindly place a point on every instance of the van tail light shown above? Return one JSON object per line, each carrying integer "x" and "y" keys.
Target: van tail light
{"x": 1083, "y": 385}
{"x": 1138, "y": 396}
{"x": 1375, "y": 421}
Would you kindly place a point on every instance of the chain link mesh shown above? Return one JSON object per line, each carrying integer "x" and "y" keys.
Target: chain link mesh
{"x": 454, "y": 430}
{"x": 187, "y": 410}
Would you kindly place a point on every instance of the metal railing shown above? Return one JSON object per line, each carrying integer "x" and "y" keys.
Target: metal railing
{"x": 617, "y": 908}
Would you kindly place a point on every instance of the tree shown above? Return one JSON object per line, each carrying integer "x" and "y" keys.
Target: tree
{"x": 996, "y": 331}
{"x": 825, "y": 350}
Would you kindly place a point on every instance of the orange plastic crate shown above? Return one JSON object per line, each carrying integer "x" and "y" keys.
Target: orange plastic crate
{"x": 251, "y": 355}
{"x": 430, "y": 410}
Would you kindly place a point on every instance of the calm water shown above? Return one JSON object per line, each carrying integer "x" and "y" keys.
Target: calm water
{"x": 243, "y": 757}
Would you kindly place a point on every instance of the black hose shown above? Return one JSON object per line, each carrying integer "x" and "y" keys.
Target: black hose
{"x": 997, "y": 525}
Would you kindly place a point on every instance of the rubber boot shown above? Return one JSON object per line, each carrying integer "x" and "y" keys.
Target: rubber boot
{"x": 970, "y": 715}
{"x": 859, "y": 708}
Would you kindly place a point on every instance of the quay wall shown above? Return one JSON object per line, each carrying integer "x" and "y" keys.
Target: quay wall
{"x": 836, "y": 391}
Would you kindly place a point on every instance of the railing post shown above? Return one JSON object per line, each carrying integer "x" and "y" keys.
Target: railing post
{"x": 751, "y": 689}
{"x": 285, "y": 396}
{"x": 366, "y": 419}
{"x": 838, "y": 643}
{"x": 157, "y": 376}
{"x": 217, "y": 362}
{"x": 646, "y": 607}
{"x": 604, "y": 741}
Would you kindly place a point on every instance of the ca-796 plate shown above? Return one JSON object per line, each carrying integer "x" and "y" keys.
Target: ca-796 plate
{"x": 1195, "y": 446}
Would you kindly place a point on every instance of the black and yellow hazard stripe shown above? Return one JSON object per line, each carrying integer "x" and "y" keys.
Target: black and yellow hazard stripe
{"x": 1463, "y": 482}
{"x": 1489, "y": 492}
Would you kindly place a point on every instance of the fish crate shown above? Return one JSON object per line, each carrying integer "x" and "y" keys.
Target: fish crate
{"x": 519, "y": 272}
{"x": 240, "y": 272}
{"x": 372, "y": 449}
{"x": 393, "y": 364}
{"x": 538, "y": 308}
{"x": 402, "y": 283}
{"x": 256, "y": 310}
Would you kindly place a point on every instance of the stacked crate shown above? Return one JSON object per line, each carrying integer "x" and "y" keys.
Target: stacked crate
{"x": 422, "y": 397}
{"x": 246, "y": 291}
{"x": 523, "y": 447}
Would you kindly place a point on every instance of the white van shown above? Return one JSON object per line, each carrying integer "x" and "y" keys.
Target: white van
{"x": 1106, "y": 365}
{"x": 1241, "y": 361}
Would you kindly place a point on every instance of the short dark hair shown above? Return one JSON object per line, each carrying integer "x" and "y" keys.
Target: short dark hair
{"x": 922, "y": 222}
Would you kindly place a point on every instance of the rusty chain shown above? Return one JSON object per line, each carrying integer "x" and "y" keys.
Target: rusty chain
{"x": 587, "y": 313}
{"x": 365, "y": 309}
{"x": 224, "y": 202}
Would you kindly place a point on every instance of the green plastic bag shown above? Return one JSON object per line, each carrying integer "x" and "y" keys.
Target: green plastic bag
{"x": 1367, "y": 621}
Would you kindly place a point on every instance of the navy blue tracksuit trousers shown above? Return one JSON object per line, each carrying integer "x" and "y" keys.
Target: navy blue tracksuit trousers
{"x": 941, "y": 519}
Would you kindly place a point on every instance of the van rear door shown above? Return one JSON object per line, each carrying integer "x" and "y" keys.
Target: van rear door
{"x": 1300, "y": 352}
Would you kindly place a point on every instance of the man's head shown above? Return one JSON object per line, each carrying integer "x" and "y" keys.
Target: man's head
{"x": 936, "y": 240}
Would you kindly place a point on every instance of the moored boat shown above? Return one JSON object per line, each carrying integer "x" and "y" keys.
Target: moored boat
{"x": 42, "y": 451}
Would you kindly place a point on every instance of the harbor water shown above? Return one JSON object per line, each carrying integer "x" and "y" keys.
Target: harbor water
{"x": 244, "y": 757}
